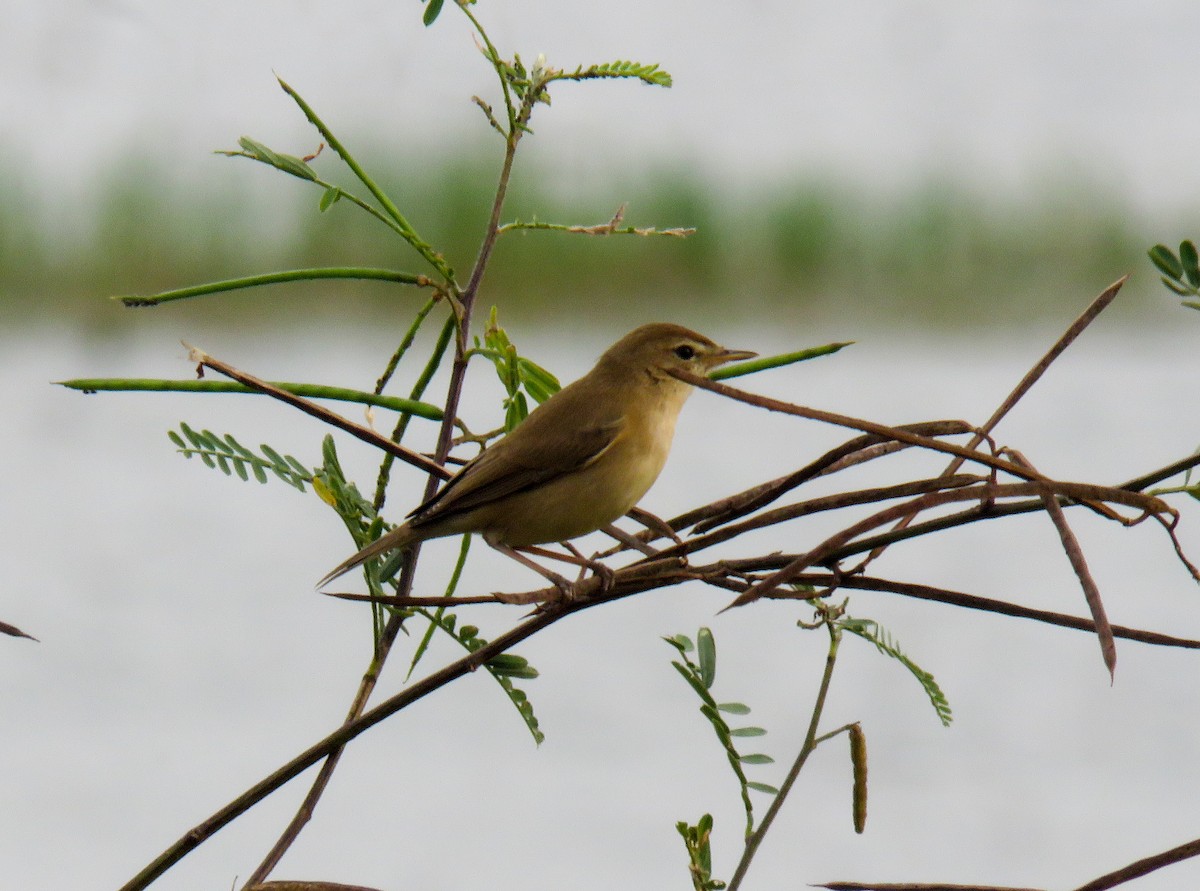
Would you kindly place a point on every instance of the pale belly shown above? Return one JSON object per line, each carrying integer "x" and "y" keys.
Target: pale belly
{"x": 583, "y": 501}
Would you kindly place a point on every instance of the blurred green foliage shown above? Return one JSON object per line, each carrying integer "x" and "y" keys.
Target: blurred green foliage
{"x": 938, "y": 254}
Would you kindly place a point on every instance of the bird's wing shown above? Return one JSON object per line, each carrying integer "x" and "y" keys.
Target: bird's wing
{"x": 517, "y": 463}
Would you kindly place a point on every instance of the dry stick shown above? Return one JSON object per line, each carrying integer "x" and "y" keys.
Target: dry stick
{"x": 817, "y": 505}
{"x": 974, "y": 601}
{"x": 1091, "y": 592}
{"x": 1103, "y": 883}
{"x": 823, "y": 552}
{"x": 848, "y": 454}
{"x": 639, "y": 578}
{"x": 915, "y": 886}
{"x": 1157, "y": 476}
{"x": 1140, "y": 868}
{"x": 732, "y": 507}
{"x": 1031, "y": 377}
{"x": 366, "y": 434}
{"x": 899, "y": 434}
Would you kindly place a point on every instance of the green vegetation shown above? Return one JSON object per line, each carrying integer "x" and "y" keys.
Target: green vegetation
{"x": 939, "y": 254}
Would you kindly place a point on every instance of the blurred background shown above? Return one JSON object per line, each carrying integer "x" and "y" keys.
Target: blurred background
{"x": 946, "y": 185}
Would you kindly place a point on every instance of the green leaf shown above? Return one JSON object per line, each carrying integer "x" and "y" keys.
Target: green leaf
{"x": 516, "y": 411}
{"x": 329, "y": 198}
{"x": 761, "y": 364}
{"x": 257, "y": 150}
{"x": 1178, "y": 289}
{"x": 432, "y": 11}
{"x": 756, "y": 759}
{"x": 527, "y": 673}
{"x": 885, "y": 644}
{"x": 649, "y": 74}
{"x": 507, "y": 660}
{"x": 1166, "y": 261}
{"x": 762, "y": 787}
{"x": 226, "y": 454}
{"x": 707, "y": 654}
{"x": 734, "y": 708}
{"x": 681, "y": 642}
{"x": 538, "y": 382}
{"x": 748, "y": 731}
{"x": 1191, "y": 263}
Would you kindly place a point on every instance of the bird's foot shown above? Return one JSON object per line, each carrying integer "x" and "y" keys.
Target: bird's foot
{"x": 606, "y": 574}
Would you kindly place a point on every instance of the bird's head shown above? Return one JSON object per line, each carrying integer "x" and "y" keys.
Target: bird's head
{"x": 660, "y": 348}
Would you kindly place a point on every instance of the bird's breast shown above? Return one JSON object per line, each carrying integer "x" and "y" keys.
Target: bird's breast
{"x": 601, "y": 491}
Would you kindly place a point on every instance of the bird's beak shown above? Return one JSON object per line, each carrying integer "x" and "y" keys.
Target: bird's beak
{"x": 725, "y": 355}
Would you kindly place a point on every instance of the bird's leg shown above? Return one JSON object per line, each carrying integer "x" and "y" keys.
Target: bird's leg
{"x": 566, "y": 588}
{"x": 603, "y": 572}
{"x": 654, "y": 524}
{"x": 630, "y": 541}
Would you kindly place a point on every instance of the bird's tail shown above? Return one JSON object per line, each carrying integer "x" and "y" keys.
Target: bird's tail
{"x": 397, "y": 538}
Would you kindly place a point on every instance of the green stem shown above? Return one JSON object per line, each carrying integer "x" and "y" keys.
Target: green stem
{"x": 810, "y": 743}
{"x": 439, "y": 351}
{"x": 275, "y": 278}
{"x": 436, "y": 260}
{"x": 309, "y": 391}
{"x": 494, "y": 58}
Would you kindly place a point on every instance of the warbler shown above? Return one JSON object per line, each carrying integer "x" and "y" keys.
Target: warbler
{"x": 580, "y": 460}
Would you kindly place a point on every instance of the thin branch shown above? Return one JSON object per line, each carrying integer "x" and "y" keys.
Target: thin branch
{"x": 1074, "y": 552}
{"x": 274, "y": 278}
{"x": 1143, "y": 867}
{"x": 366, "y": 434}
{"x": 824, "y": 551}
{"x": 915, "y": 886}
{"x": 827, "y": 417}
{"x": 1103, "y": 883}
{"x": 850, "y": 453}
{"x": 1026, "y": 383}
{"x": 755, "y": 839}
{"x": 309, "y": 391}
{"x": 1157, "y": 476}
{"x": 974, "y": 601}
{"x": 1034, "y": 374}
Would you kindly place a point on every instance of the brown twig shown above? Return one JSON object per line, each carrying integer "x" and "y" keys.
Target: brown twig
{"x": 1091, "y": 591}
{"x": 825, "y": 551}
{"x": 833, "y": 582}
{"x": 1139, "y": 868}
{"x": 817, "y": 505}
{"x": 915, "y": 886}
{"x": 1026, "y": 383}
{"x": 883, "y": 431}
{"x": 851, "y": 453}
{"x": 1103, "y": 883}
{"x": 366, "y": 434}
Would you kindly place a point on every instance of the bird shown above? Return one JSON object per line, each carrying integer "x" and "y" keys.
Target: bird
{"x": 579, "y": 461}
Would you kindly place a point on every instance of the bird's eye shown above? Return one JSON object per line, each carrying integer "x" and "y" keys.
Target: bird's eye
{"x": 685, "y": 351}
